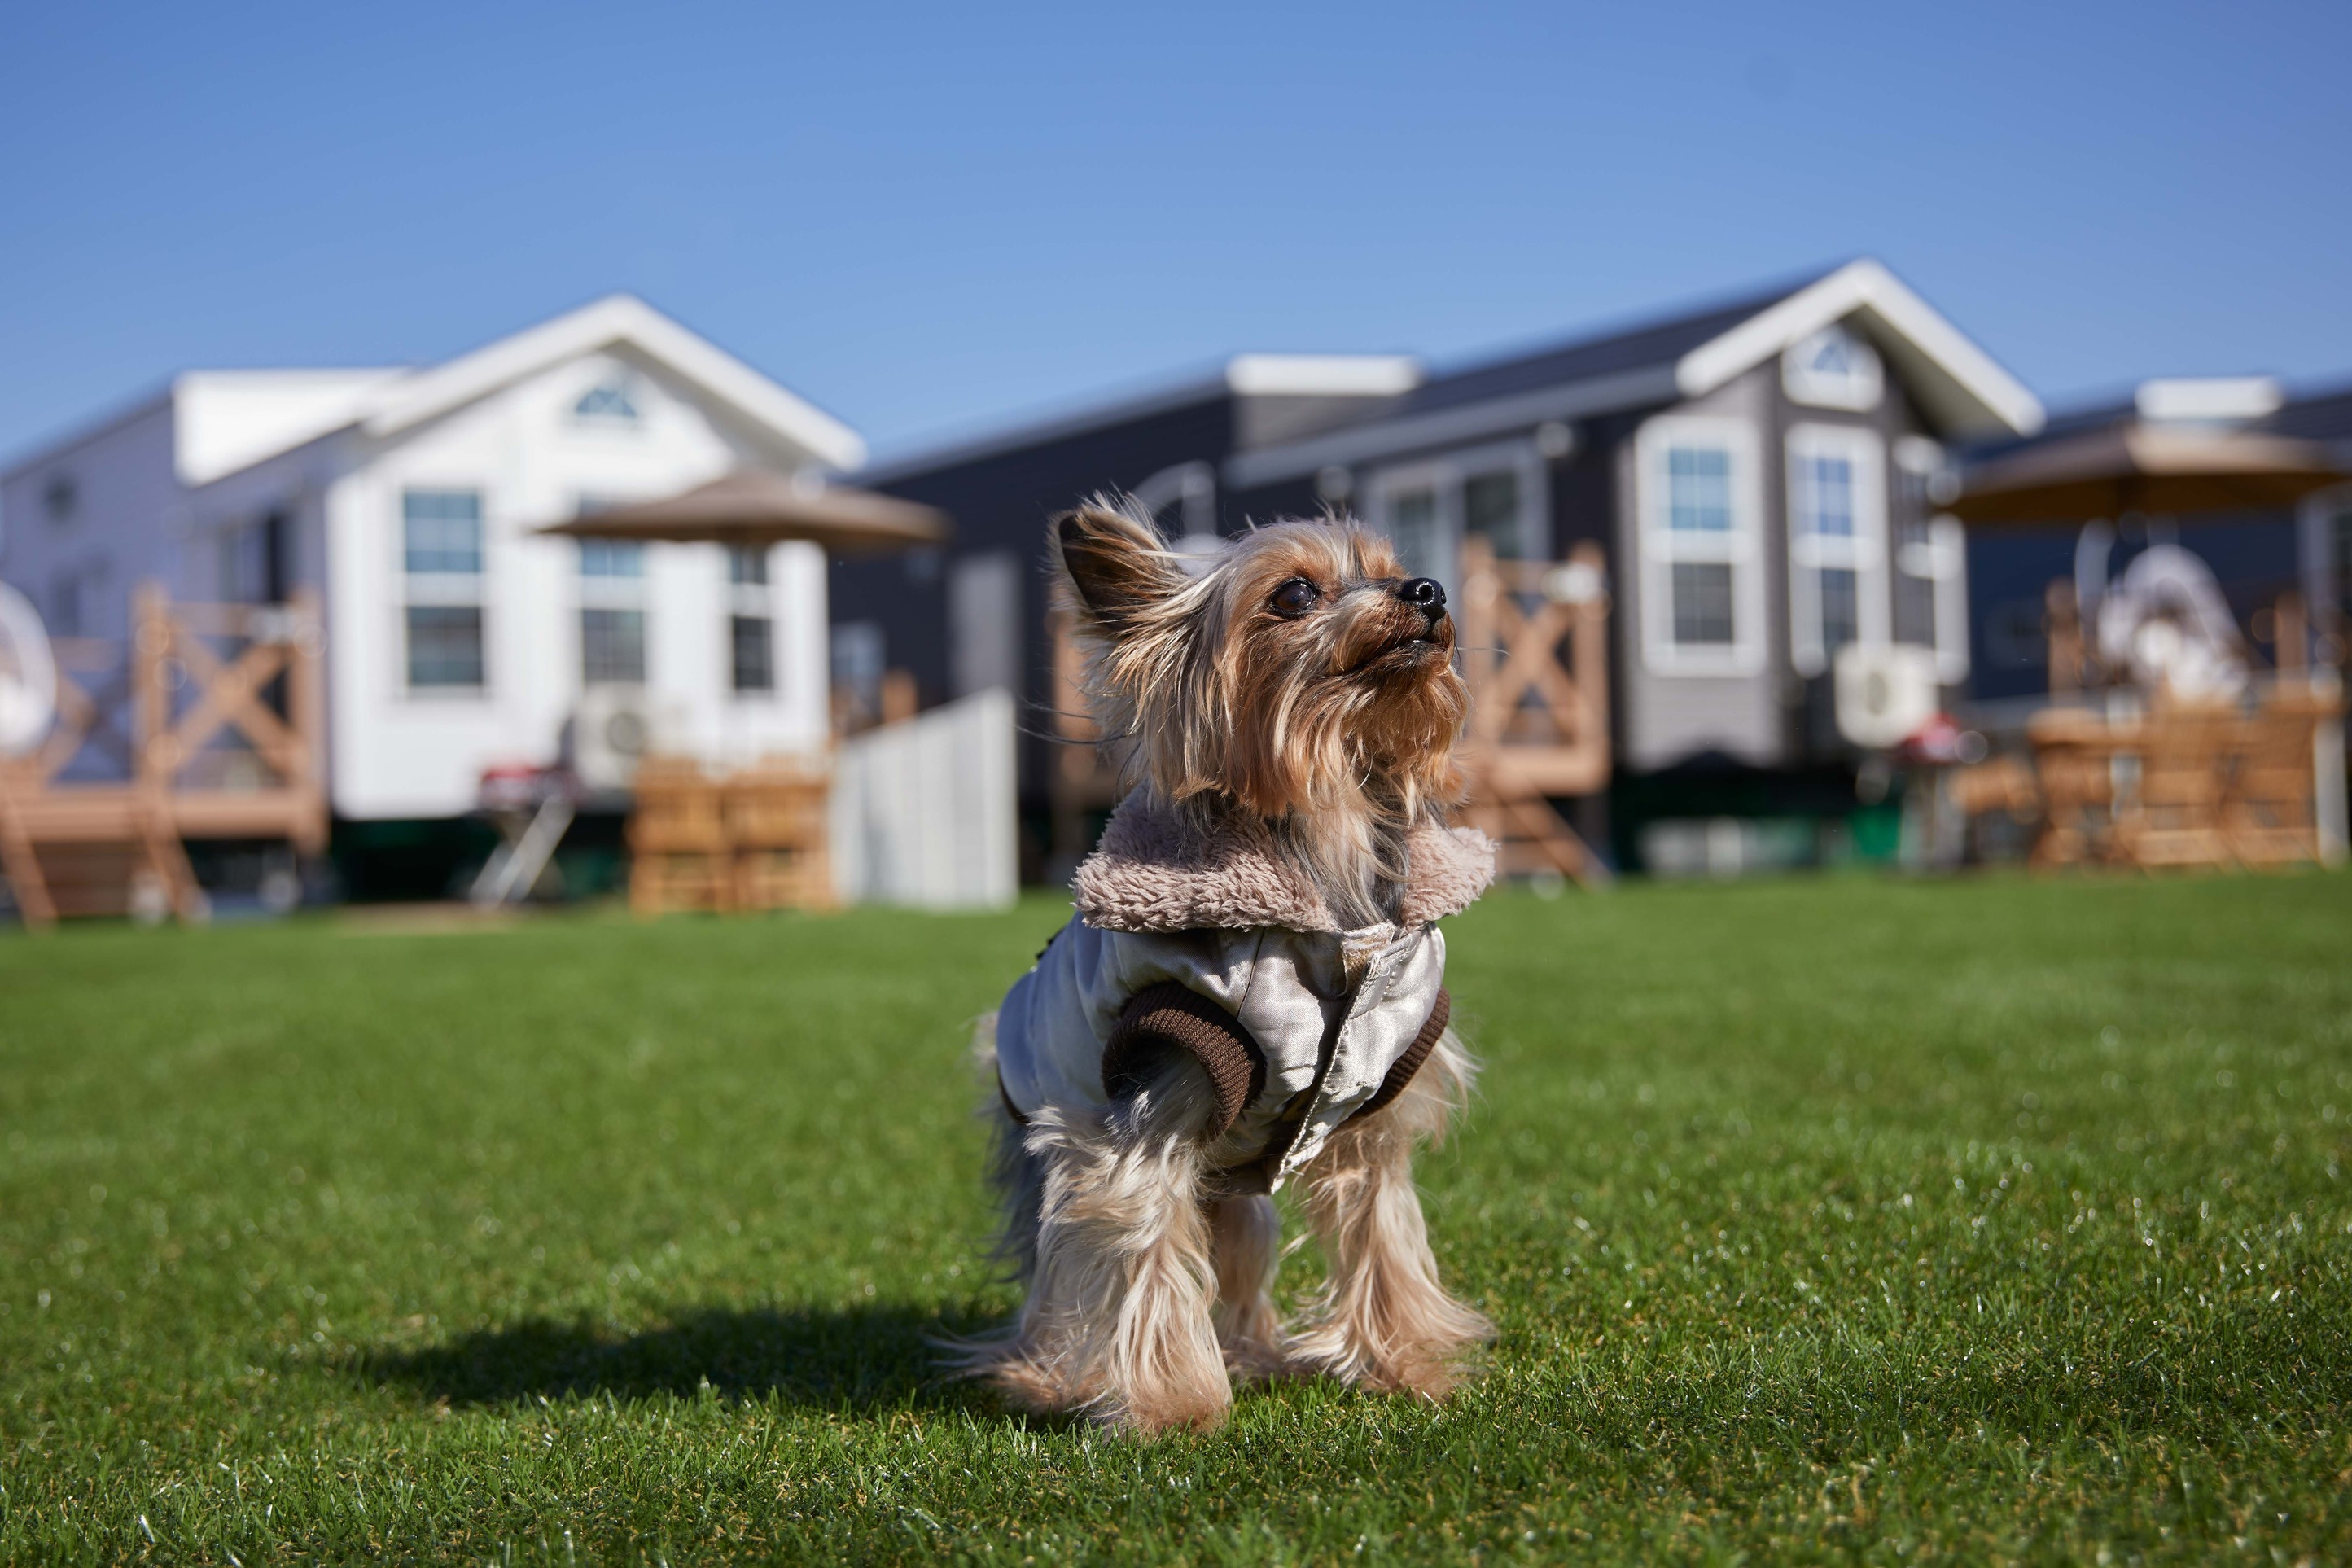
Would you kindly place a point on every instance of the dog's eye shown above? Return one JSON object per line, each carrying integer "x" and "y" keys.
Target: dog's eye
{"x": 1296, "y": 597}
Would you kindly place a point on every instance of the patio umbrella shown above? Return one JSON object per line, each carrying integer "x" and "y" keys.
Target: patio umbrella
{"x": 752, "y": 508}
{"x": 2159, "y": 469}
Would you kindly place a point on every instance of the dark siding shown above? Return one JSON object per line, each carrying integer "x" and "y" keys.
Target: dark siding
{"x": 1271, "y": 503}
{"x": 1000, "y": 501}
{"x": 1584, "y": 489}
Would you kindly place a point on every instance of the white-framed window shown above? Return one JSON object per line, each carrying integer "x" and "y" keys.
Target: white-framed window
{"x": 1832, "y": 369}
{"x": 612, "y": 611}
{"x": 2326, "y": 553}
{"x": 441, "y": 560}
{"x": 1933, "y": 547}
{"x": 1427, "y": 509}
{"x": 1701, "y": 509}
{"x": 1837, "y": 543}
{"x": 750, "y": 623}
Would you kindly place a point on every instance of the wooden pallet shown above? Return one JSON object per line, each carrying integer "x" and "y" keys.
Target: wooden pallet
{"x": 755, "y": 839}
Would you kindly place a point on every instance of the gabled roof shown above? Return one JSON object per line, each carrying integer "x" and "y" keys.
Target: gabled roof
{"x": 2323, "y": 415}
{"x": 1243, "y": 375}
{"x": 615, "y": 321}
{"x": 1680, "y": 356}
{"x": 1647, "y": 345}
{"x": 2320, "y": 416}
{"x": 226, "y": 421}
{"x": 1959, "y": 384}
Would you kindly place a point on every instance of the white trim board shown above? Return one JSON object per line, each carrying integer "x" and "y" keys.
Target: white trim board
{"x": 1660, "y": 547}
{"x": 1957, "y": 381}
{"x": 1864, "y": 552}
{"x": 616, "y": 321}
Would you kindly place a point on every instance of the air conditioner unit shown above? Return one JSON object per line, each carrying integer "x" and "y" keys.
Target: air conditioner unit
{"x": 613, "y": 730}
{"x": 1885, "y": 694}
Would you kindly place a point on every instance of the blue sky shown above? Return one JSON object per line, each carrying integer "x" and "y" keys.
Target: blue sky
{"x": 932, "y": 219}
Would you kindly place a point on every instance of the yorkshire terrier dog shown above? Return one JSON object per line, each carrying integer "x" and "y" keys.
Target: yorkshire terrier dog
{"x": 1250, "y": 989}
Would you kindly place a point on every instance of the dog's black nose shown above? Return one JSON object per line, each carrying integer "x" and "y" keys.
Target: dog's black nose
{"x": 1427, "y": 592}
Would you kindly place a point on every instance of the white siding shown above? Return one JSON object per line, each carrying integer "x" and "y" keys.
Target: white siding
{"x": 393, "y": 753}
{"x": 128, "y": 521}
{"x": 401, "y": 754}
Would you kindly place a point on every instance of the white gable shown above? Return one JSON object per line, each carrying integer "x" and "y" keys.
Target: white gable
{"x": 1957, "y": 383}
{"x": 230, "y": 420}
{"x": 797, "y": 429}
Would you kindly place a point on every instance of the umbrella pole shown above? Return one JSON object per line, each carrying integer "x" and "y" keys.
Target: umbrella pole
{"x": 2092, "y": 548}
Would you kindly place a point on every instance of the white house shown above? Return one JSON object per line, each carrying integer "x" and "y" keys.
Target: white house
{"x": 408, "y": 500}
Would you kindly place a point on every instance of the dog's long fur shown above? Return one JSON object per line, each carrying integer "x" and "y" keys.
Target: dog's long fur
{"x": 1331, "y": 735}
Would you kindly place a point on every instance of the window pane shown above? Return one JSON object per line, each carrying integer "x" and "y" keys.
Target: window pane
{"x": 445, "y": 645}
{"x": 746, "y": 566}
{"x": 1841, "y": 608}
{"x": 1490, "y": 506}
{"x": 612, "y": 400}
{"x": 1702, "y": 594}
{"x": 2341, "y": 528}
{"x": 441, "y": 531}
{"x": 613, "y": 647}
{"x": 1698, "y": 490}
{"x": 612, "y": 557}
{"x": 1417, "y": 533}
{"x": 1825, "y": 497}
{"x": 754, "y": 648}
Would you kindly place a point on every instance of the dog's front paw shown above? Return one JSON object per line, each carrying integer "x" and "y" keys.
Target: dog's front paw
{"x": 1431, "y": 1358}
{"x": 1161, "y": 1411}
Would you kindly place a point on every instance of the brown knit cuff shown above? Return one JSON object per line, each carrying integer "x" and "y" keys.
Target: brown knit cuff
{"x": 1401, "y": 1070}
{"x": 1168, "y": 1016}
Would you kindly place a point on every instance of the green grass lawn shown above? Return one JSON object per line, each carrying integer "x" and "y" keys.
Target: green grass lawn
{"x": 1825, "y": 1219}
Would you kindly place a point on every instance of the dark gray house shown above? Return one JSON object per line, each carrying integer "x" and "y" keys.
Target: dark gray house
{"x": 1760, "y": 473}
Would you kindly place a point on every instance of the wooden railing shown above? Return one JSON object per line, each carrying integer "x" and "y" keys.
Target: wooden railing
{"x": 208, "y": 749}
{"x": 1535, "y": 650}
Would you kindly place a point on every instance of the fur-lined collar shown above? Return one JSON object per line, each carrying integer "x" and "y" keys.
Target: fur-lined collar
{"x": 1151, "y": 874}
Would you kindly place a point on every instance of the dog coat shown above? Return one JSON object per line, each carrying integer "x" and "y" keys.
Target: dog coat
{"x": 1216, "y": 947}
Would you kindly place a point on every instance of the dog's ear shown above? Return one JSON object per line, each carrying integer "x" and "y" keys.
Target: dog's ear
{"x": 1114, "y": 560}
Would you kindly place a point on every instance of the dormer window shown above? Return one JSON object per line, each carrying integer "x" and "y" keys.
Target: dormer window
{"x": 609, "y": 402}
{"x": 1832, "y": 369}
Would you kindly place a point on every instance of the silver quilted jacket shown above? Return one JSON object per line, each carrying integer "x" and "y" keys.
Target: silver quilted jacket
{"x": 1228, "y": 921}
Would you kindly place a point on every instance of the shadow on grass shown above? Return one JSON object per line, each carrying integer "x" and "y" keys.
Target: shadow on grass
{"x": 882, "y": 1357}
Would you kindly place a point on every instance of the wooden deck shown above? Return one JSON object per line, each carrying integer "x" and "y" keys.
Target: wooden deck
{"x": 223, "y": 741}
